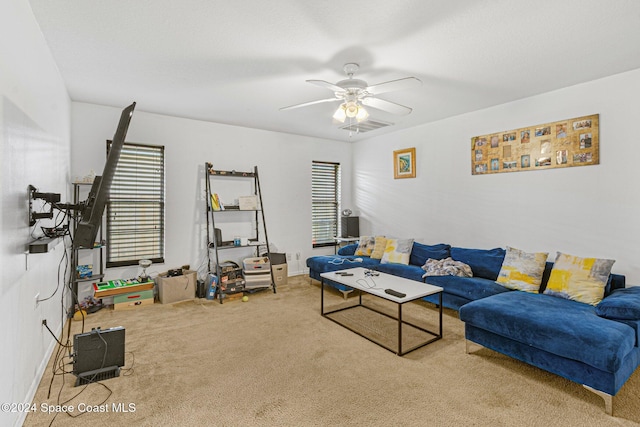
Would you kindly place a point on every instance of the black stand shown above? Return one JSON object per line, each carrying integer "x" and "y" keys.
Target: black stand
{"x": 97, "y": 375}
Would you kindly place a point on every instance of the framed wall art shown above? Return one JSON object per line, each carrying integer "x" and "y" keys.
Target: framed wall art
{"x": 571, "y": 142}
{"x": 404, "y": 163}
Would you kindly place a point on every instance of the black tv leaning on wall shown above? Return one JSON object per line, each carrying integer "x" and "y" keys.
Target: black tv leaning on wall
{"x": 93, "y": 208}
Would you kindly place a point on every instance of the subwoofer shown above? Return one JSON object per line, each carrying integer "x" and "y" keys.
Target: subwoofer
{"x": 350, "y": 226}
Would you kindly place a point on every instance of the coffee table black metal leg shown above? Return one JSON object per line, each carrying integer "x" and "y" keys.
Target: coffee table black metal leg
{"x": 322, "y": 297}
{"x": 440, "y": 293}
{"x": 399, "y": 353}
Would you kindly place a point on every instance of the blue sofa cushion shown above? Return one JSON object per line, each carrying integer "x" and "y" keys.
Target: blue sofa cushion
{"x": 325, "y": 263}
{"x": 566, "y": 328}
{"x": 635, "y": 324}
{"x": 484, "y": 263}
{"x": 412, "y": 272}
{"x": 421, "y": 253}
{"x": 621, "y": 304}
{"x": 348, "y": 249}
{"x": 471, "y": 288}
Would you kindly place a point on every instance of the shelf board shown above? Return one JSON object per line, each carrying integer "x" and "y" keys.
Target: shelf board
{"x": 93, "y": 278}
{"x": 234, "y": 209}
{"x": 86, "y": 248}
{"x": 228, "y": 244}
{"x": 232, "y": 173}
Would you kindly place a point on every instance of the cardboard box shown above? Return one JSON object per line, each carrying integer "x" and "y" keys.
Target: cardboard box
{"x": 130, "y": 305}
{"x": 133, "y": 296}
{"x": 247, "y": 203}
{"x": 280, "y": 274}
{"x": 177, "y": 288}
{"x": 132, "y": 300}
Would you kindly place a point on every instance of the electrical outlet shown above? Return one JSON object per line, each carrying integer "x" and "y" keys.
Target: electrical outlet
{"x": 288, "y": 256}
{"x": 37, "y": 298}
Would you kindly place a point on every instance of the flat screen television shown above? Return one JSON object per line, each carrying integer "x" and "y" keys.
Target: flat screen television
{"x": 93, "y": 208}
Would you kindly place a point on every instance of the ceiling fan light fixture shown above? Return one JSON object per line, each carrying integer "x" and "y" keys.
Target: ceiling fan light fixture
{"x": 362, "y": 115}
{"x": 351, "y": 109}
{"x": 355, "y": 94}
{"x": 340, "y": 114}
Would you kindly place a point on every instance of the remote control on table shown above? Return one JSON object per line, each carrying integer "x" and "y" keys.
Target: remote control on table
{"x": 395, "y": 293}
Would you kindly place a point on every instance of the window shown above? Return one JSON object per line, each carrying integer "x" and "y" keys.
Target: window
{"x": 135, "y": 210}
{"x": 325, "y": 202}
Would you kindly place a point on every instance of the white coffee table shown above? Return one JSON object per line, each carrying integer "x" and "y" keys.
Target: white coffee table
{"x": 375, "y": 283}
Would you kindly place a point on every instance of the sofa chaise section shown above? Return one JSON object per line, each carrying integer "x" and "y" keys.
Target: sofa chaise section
{"x": 565, "y": 337}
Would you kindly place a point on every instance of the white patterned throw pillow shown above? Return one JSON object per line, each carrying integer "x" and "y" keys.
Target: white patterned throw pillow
{"x": 397, "y": 251}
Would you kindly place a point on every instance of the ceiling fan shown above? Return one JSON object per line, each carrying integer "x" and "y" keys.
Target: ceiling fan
{"x": 354, "y": 94}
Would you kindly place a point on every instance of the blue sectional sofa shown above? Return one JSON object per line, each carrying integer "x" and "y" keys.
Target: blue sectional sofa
{"x": 596, "y": 346}
{"x": 458, "y": 291}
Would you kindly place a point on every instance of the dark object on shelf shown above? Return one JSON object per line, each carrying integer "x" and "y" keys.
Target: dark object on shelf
{"x": 175, "y": 272}
{"x": 55, "y": 232}
{"x": 42, "y": 246}
{"x": 350, "y": 226}
{"x": 218, "y": 236}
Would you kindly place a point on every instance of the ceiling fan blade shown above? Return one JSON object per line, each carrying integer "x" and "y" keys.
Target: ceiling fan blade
{"x": 388, "y": 106}
{"x": 328, "y": 85}
{"x": 393, "y": 85}
{"x": 305, "y": 104}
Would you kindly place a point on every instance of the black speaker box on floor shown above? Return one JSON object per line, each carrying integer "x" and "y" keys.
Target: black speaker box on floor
{"x": 98, "y": 354}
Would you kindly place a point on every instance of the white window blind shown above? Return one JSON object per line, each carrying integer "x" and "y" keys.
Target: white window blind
{"x": 325, "y": 202}
{"x": 135, "y": 211}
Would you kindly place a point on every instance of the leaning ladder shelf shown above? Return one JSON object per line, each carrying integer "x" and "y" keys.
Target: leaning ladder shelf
{"x": 76, "y": 280}
{"x": 213, "y": 245}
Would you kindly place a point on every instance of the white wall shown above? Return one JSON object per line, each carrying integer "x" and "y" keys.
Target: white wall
{"x": 587, "y": 211}
{"x": 284, "y": 165}
{"x": 34, "y": 149}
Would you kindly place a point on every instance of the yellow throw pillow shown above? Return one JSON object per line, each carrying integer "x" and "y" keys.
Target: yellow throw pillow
{"x": 521, "y": 270}
{"x": 379, "y": 247}
{"x": 397, "y": 251}
{"x": 579, "y": 279}
{"x": 365, "y": 246}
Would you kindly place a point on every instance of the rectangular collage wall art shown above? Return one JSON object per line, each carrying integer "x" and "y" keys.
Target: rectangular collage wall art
{"x": 572, "y": 142}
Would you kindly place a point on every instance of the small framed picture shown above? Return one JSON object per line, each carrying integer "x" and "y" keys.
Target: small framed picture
{"x": 404, "y": 163}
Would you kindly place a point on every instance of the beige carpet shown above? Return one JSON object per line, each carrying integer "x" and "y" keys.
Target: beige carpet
{"x": 274, "y": 361}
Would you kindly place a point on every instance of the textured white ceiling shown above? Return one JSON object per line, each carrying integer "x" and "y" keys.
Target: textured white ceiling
{"x": 238, "y": 62}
